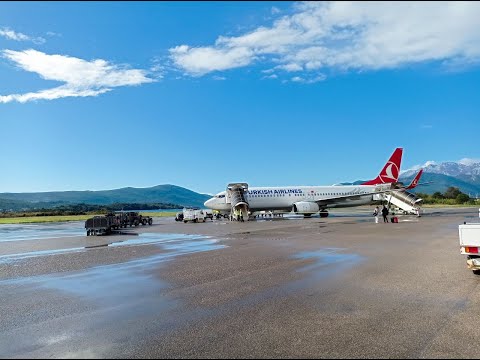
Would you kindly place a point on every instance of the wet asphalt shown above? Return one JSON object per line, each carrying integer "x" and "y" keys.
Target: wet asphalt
{"x": 285, "y": 288}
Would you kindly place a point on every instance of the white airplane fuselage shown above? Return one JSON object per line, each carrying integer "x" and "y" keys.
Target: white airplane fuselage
{"x": 309, "y": 199}
{"x": 283, "y": 198}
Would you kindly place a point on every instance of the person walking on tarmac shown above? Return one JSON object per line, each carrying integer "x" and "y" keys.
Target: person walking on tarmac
{"x": 376, "y": 213}
{"x": 385, "y": 214}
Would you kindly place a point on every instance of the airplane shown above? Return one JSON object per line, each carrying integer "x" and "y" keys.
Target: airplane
{"x": 308, "y": 200}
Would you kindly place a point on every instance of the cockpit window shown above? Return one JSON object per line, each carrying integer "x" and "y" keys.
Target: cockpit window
{"x": 220, "y": 196}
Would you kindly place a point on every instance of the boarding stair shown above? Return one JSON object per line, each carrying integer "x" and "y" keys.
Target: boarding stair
{"x": 236, "y": 197}
{"x": 406, "y": 201}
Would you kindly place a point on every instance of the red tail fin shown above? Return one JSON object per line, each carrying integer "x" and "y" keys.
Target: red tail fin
{"x": 414, "y": 182}
{"x": 390, "y": 171}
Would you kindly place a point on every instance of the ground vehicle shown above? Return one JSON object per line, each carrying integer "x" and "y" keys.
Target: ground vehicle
{"x": 105, "y": 224}
{"x": 208, "y": 214}
{"x": 102, "y": 225}
{"x": 129, "y": 218}
{"x": 193, "y": 214}
{"x": 217, "y": 214}
{"x": 179, "y": 216}
{"x": 469, "y": 235}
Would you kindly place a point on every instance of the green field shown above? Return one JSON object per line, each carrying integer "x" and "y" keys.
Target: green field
{"x": 44, "y": 219}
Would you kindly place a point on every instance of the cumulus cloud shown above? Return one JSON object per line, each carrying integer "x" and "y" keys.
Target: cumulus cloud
{"x": 199, "y": 61}
{"x": 273, "y": 76}
{"x": 346, "y": 36}
{"x": 291, "y": 67}
{"x": 467, "y": 161}
{"x": 275, "y": 10}
{"x": 310, "y": 80}
{"x": 80, "y": 77}
{"x": 418, "y": 167}
{"x": 17, "y": 36}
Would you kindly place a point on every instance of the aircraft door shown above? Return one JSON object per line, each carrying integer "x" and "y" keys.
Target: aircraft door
{"x": 310, "y": 195}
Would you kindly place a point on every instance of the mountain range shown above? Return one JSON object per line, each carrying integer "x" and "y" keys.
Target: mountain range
{"x": 464, "y": 174}
{"x": 167, "y": 194}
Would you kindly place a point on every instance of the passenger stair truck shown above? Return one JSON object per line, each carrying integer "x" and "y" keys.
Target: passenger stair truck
{"x": 406, "y": 201}
{"x": 235, "y": 195}
{"x": 469, "y": 234}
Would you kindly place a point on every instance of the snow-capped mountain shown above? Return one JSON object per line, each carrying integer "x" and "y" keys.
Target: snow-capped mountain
{"x": 466, "y": 169}
{"x": 463, "y": 174}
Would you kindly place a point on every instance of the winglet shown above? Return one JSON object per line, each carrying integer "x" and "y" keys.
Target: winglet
{"x": 390, "y": 171}
{"x": 414, "y": 182}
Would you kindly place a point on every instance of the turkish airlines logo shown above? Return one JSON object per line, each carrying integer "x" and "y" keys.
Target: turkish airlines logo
{"x": 390, "y": 173}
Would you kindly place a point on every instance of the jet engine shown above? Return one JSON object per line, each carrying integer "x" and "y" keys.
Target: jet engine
{"x": 305, "y": 207}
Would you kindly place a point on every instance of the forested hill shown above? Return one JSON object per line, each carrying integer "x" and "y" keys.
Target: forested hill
{"x": 168, "y": 194}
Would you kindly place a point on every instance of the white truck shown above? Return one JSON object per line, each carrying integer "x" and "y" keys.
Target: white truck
{"x": 193, "y": 214}
{"x": 469, "y": 234}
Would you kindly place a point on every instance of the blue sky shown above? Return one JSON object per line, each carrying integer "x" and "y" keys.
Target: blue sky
{"x": 104, "y": 95}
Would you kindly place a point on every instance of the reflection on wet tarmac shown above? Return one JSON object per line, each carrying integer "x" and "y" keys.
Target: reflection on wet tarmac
{"x": 21, "y": 256}
{"x": 176, "y": 243}
{"x": 108, "y": 280}
{"x": 114, "y": 301}
{"x": 326, "y": 262}
{"x": 21, "y": 232}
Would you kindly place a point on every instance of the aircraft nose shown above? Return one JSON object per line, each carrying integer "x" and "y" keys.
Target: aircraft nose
{"x": 209, "y": 203}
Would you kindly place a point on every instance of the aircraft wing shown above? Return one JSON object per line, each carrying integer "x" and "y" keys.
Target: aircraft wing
{"x": 356, "y": 195}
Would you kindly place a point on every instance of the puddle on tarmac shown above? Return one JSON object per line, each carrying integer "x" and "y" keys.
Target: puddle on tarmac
{"x": 30, "y": 232}
{"x": 326, "y": 262}
{"x": 177, "y": 243}
{"x": 118, "y": 280}
{"x": 5, "y": 259}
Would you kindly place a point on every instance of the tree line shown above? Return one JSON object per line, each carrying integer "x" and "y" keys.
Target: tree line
{"x": 452, "y": 196}
{"x": 87, "y": 209}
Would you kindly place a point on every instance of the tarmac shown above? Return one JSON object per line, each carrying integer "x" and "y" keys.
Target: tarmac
{"x": 336, "y": 287}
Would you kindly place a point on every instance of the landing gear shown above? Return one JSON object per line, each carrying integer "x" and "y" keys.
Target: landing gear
{"x": 307, "y": 215}
{"x": 323, "y": 213}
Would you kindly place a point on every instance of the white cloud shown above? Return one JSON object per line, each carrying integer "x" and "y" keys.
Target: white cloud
{"x": 82, "y": 78}
{"x": 291, "y": 67}
{"x": 17, "y": 36}
{"x": 311, "y": 80}
{"x": 51, "y": 33}
{"x": 199, "y": 61}
{"x": 418, "y": 167}
{"x": 275, "y": 10}
{"x": 426, "y": 126}
{"x": 347, "y": 36}
{"x": 272, "y": 76}
{"x": 467, "y": 161}
{"x": 220, "y": 78}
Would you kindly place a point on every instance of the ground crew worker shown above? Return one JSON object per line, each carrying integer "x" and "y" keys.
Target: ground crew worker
{"x": 385, "y": 214}
{"x": 375, "y": 213}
